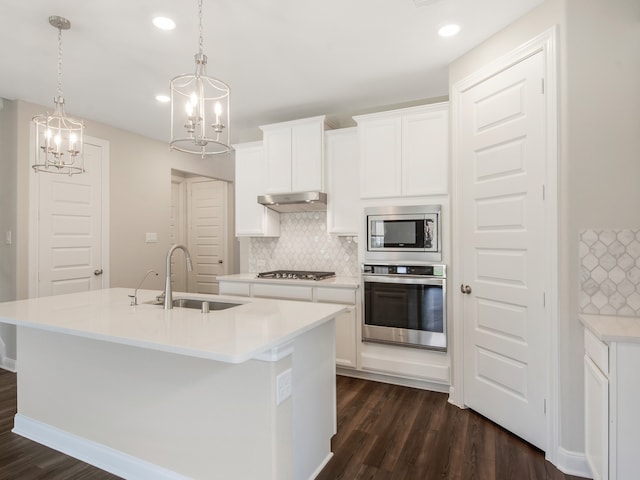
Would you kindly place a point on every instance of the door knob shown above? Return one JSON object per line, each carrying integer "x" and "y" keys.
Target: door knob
{"x": 220, "y": 261}
{"x": 97, "y": 271}
{"x": 465, "y": 289}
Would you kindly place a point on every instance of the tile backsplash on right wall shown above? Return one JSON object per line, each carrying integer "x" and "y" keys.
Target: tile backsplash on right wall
{"x": 610, "y": 272}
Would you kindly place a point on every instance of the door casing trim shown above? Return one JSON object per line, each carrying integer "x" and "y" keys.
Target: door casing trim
{"x": 546, "y": 43}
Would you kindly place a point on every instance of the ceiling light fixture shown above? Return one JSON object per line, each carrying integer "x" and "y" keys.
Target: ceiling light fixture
{"x": 449, "y": 30}
{"x": 164, "y": 23}
{"x": 59, "y": 138}
{"x": 197, "y": 100}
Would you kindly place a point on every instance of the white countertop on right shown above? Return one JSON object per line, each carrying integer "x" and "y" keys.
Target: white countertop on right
{"x": 612, "y": 328}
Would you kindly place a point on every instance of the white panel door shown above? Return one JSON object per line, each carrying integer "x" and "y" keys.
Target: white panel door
{"x": 70, "y": 251}
{"x": 502, "y": 151}
{"x": 207, "y": 234}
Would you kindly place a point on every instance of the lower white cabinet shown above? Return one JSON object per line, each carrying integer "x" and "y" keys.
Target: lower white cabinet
{"x": 346, "y": 322}
{"x": 612, "y": 417}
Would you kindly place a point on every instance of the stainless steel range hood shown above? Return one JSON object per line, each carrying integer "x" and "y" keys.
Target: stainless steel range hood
{"x": 295, "y": 202}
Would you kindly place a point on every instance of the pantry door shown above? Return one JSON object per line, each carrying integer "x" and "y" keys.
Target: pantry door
{"x": 207, "y": 233}
{"x": 69, "y": 247}
{"x": 504, "y": 257}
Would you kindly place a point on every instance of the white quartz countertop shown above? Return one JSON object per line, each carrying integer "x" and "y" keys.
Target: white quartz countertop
{"x": 611, "y": 328}
{"x": 234, "y": 335}
{"x": 337, "y": 282}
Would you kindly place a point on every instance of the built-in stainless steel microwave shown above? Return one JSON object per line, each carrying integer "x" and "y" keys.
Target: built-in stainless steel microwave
{"x": 409, "y": 233}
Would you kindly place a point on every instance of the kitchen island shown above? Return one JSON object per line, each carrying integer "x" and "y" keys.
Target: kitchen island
{"x": 242, "y": 393}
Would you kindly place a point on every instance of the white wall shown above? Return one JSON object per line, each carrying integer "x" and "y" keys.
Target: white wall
{"x": 599, "y": 151}
{"x": 7, "y": 224}
{"x": 140, "y": 197}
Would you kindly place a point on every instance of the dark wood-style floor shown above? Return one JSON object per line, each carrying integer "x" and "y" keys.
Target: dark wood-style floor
{"x": 384, "y": 432}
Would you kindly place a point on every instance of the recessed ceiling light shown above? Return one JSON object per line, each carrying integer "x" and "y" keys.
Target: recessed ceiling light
{"x": 162, "y": 98}
{"x": 164, "y": 23}
{"x": 449, "y": 30}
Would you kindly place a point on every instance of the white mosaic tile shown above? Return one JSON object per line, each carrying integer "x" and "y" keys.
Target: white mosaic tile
{"x": 304, "y": 244}
{"x": 610, "y": 272}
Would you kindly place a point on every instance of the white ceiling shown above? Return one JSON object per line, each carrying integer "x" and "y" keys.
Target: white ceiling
{"x": 284, "y": 59}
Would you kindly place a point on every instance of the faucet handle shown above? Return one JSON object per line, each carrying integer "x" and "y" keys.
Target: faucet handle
{"x": 134, "y": 300}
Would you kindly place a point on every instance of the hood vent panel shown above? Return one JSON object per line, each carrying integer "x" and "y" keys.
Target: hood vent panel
{"x": 295, "y": 202}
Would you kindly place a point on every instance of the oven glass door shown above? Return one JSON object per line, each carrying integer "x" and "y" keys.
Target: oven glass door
{"x": 405, "y": 311}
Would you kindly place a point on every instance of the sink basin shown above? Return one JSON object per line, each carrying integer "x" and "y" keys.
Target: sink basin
{"x": 197, "y": 304}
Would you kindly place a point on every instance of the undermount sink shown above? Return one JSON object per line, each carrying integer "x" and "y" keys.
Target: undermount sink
{"x": 197, "y": 304}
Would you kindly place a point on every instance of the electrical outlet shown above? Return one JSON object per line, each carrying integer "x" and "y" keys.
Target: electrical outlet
{"x": 283, "y": 386}
{"x": 7, "y": 237}
{"x": 151, "y": 237}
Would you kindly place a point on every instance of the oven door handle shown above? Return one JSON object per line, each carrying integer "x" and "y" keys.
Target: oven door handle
{"x": 406, "y": 279}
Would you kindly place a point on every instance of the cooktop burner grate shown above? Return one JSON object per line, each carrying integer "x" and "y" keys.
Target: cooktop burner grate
{"x": 296, "y": 275}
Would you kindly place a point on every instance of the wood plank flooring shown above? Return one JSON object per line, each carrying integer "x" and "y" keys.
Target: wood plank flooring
{"x": 385, "y": 432}
{"x": 388, "y": 432}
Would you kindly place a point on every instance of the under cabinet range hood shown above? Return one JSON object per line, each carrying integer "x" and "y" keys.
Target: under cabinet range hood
{"x": 295, "y": 202}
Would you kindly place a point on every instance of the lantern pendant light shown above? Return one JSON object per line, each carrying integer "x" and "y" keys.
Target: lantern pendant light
{"x": 200, "y": 109}
{"x": 59, "y": 138}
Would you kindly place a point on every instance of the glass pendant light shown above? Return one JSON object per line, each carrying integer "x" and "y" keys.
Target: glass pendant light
{"x": 59, "y": 138}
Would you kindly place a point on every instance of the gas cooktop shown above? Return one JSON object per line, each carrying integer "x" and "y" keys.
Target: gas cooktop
{"x": 296, "y": 275}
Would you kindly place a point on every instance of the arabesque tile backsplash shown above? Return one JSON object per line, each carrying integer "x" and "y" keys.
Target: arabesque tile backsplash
{"x": 304, "y": 244}
{"x": 610, "y": 272}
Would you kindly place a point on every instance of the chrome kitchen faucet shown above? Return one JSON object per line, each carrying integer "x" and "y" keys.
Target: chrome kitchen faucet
{"x": 168, "y": 293}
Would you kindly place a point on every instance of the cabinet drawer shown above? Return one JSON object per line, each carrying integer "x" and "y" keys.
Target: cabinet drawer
{"x": 235, "y": 288}
{"x": 336, "y": 295}
{"x": 286, "y": 292}
{"x": 596, "y": 351}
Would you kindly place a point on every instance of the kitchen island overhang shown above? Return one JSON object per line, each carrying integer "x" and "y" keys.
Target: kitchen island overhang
{"x": 148, "y": 393}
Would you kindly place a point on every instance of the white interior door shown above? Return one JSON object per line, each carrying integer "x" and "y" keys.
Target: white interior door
{"x": 502, "y": 159}
{"x": 71, "y": 246}
{"x": 207, "y": 227}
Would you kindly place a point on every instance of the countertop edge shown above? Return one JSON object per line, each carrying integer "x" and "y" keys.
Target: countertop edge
{"x": 612, "y": 328}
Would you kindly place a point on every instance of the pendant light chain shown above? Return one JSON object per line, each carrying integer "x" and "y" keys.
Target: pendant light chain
{"x": 201, "y": 44}
{"x": 59, "y": 89}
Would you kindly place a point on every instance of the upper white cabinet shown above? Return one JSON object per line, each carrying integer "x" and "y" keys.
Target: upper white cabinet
{"x": 294, "y": 154}
{"x": 343, "y": 199}
{"x": 404, "y": 152}
{"x": 252, "y": 219}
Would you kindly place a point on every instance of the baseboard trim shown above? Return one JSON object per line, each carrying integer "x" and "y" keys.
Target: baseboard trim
{"x": 394, "y": 380}
{"x": 321, "y": 466}
{"x": 7, "y": 363}
{"x": 573, "y": 463}
{"x": 96, "y": 454}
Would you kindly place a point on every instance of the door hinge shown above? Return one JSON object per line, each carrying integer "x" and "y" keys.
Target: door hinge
{"x": 544, "y": 193}
{"x": 545, "y": 406}
{"x": 544, "y": 299}
{"x": 542, "y": 85}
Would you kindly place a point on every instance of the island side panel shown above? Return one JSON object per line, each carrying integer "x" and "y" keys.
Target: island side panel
{"x": 196, "y": 417}
{"x": 314, "y": 399}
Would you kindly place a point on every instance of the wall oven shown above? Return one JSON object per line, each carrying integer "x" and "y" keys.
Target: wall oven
{"x": 408, "y": 233}
{"x": 405, "y": 305}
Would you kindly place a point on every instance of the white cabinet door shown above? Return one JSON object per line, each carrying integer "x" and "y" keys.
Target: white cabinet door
{"x": 425, "y": 152}
{"x": 278, "y": 157}
{"x": 252, "y": 219}
{"x": 596, "y": 424}
{"x": 405, "y": 152}
{"x": 307, "y": 154}
{"x": 343, "y": 199}
{"x": 295, "y": 155}
{"x": 380, "y": 157}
